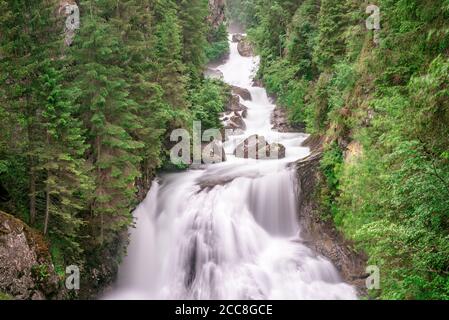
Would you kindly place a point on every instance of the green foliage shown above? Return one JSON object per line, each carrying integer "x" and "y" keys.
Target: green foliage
{"x": 331, "y": 24}
{"x": 390, "y": 190}
{"x": 40, "y": 272}
{"x": 208, "y": 102}
{"x": 218, "y": 45}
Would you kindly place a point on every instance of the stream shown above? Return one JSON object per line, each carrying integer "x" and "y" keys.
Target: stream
{"x": 237, "y": 238}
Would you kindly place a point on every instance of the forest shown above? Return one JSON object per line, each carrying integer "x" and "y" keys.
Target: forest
{"x": 86, "y": 124}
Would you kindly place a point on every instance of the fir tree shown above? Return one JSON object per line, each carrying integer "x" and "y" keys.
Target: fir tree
{"x": 330, "y": 43}
{"x": 109, "y": 114}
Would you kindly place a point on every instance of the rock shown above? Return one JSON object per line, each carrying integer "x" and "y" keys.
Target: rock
{"x": 321, "y": 235}
{"x": 212, "y": 152}
{"x": 257, "y": 83}
{"x": 276, "y": 151}
{"x": 26, "y": 269}
{"x": 70, "y": 11}
{"x": 314, "y": 142}
{"x": 211, "y": 73}
{"x": 242, "y": 92}
{"x": 279, "y": 120}
{"x": 245, "y": 49}
{"x": 216, "y": 12}
{"x": 353, "y": 151}
{"x": 256, "y": 147}
{"x": 237, "y": 37}
{"x": 234, "y": 105}
{"x": 235, "y": 122}
{"x": 252, "y": 147}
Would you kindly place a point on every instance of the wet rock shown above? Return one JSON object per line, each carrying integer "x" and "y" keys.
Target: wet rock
{"x": 245, "y": 49}
{"x": 26, "y": 269}
{"x": 235, "y": 122}
{"x": 276, "y": 151}
{"x": 257, "y": 83}
{"x": 212, "y": 152}
{"x": 234, "y": 105}
{"x": 242, "y": 92}
{"x": 321, "y": 235}
{"x": 279, "y": 120}
{"x": 256, "y": 147}
{"x": 237, "y": 37}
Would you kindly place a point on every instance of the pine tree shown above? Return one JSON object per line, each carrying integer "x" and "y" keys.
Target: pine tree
{"x": 301, "y": 38}
{"x": 330, "y": 43}
{"x": 67, "y": 183}
{"x": 192, "y": 17}
{"x": 171, "y": 72}
{"x": 138, "y": 25}
{"x": 109, "y": 114}
{"x": 33, "y": 84}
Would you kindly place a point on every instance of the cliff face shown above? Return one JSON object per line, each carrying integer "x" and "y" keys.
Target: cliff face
{"x": 217, "y": 12}
{"x": 26, "y": 270}
{"x": 321, "y": 235}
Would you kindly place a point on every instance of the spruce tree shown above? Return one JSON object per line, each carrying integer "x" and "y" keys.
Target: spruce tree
{"x": 138, "y": 25}
{"x": 101, "y": 89}
{"x": 192, "y": 16}
{"x": 330, "y": 45}
{"x": 171, "y": 72}
{"x": 33, "y": 84}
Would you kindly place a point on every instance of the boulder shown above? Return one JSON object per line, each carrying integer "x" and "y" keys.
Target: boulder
{"x": 26, "y": 269}
{"x": 245, "y": 49}
{"x": 234, "y": 105}
{"x": 276, "y": 151}
{"x": 212, "y": 152}
{"x": 237, "y": 37}
{"x": 70, "y": 11}
{"x": 242, "y": 92}
{"x": 235, "y": 122}
{"x": 256, "y": 147}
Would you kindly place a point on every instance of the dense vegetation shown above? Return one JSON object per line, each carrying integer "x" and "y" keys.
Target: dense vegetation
{"x": 383, "y": 111}
{"x": 85, "y": 127}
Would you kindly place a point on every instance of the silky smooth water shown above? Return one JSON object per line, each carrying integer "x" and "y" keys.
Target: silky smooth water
{"x": 228, "y": 230}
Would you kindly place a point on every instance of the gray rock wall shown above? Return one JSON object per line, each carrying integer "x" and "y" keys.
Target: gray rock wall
{"x": 321, "y": 235}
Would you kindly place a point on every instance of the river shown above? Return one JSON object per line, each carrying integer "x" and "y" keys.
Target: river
{"x": 238, "y": 238}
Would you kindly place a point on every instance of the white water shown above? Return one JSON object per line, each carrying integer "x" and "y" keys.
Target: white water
{"x": 229, "y": 230}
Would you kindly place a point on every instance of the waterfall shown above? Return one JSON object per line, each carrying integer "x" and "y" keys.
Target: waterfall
{"x": 228, "y": 230}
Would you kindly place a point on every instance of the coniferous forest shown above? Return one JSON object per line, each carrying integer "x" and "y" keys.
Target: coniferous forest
{"x": 86, "y": 116}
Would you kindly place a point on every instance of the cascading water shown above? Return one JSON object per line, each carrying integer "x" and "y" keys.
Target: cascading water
{"x": 228, "y": 230}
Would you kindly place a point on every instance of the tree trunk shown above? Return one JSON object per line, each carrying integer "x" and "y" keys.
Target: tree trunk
{"x": 98, "y": 143}
{"x": 47, "y": 208}
{"x": 32, "y": 194}
{"x": 47, "y": 195}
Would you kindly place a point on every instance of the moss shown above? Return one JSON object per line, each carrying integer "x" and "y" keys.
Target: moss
{"x": 5, "y": 296}
{"x": 34, "y": 238}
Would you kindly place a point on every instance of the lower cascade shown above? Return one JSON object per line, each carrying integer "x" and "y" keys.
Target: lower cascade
{"x": 228, "y": 230}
